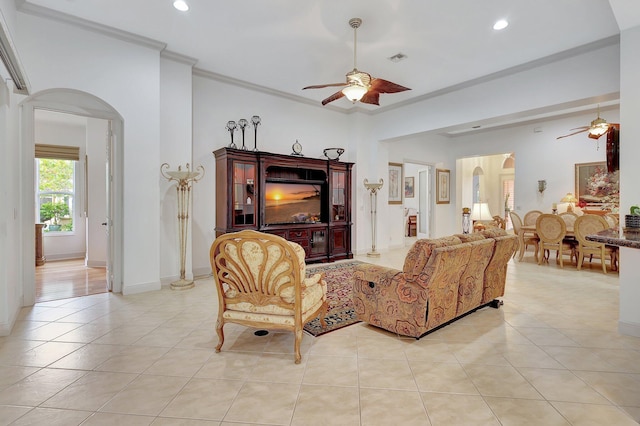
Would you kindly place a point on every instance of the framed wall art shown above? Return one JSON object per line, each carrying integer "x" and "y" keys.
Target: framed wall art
{"x": 443, "y": 186}
{"x": 395, "y": 183}
{"x": 596, "y": 186}
{"x": 409, "y": 185}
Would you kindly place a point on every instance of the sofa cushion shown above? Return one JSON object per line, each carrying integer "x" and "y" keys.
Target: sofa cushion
{"x": 418, "y": 255}
{"x": 467, "y": 238}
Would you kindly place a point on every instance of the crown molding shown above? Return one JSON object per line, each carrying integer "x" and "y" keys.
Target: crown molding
{"x": 258, "y": 88}
{"x": 178, "y": 57}
{"x": 43, "y": 12}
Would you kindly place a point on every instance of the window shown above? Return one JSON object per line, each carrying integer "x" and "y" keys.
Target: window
{"x": 55, "y": 193}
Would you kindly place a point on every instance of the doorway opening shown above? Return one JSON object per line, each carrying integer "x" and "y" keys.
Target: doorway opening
{"x": 70, "y": 202}
{"x": 108, "y": 218}
{"x": 418, "y": 201}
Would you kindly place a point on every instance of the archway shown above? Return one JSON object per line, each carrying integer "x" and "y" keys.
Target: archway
{"x": 84, "y": 104}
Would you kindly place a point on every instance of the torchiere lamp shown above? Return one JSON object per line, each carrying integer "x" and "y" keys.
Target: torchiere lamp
{"x": 373, "y": 189}
{"x": 185, "y": 179}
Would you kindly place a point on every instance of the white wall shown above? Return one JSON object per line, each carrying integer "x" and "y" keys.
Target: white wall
{"x": 176, "y": 120}
{"x": 629, "y": 176}
{"x": 10, "y": 238}
{"x": 126, "y": 76}
{"x": 67, "y": 245}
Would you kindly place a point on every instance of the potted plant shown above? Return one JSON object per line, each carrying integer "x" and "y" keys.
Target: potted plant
{"x": 632, "y": 220}
{"x": 55, "y": 211}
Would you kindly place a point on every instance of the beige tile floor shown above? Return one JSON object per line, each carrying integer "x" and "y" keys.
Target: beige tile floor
{"x": 550, "y": 356}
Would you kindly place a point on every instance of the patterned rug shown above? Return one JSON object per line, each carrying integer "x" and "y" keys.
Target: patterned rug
{"x": 339, "y": 290}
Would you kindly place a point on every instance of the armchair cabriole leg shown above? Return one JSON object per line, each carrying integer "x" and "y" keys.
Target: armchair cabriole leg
{"x": 219, "y": 330}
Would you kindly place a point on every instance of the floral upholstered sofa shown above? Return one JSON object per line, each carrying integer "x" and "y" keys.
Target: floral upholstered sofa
{"x": 442, "y": 279}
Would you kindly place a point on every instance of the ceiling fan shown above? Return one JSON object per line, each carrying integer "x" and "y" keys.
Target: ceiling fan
{"x": 360, "y": 86}
{"x": 598, "y": 127}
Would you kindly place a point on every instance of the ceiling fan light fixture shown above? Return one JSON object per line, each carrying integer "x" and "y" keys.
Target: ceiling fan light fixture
{"x": 354, "y": 92}
{"x": 598, "y": 127}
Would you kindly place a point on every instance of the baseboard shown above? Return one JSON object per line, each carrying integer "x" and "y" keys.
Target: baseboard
{"x": 629, "y": 329}
{"x": 64, "y": 256}
{"x": 202, "y": 272}
{"x": 140, "y": 288}
{"x": 96, "y": 264}
{"x": 6, "y": 327}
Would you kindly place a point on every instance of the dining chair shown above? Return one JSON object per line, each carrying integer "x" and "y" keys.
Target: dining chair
{"x": 527, "y": 238}
{"x": 530, "y": 217}
{"x": 569, "y": 218}
{"x": 592, "y": 224}
{"x": 613, "y": 219}
{"x": 551, "y": 230}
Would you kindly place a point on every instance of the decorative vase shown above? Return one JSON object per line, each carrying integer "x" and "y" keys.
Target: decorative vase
{"x": 631, "y": 221}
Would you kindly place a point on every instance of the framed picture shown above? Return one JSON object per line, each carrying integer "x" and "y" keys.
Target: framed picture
{"x": 595, "y": 186}
{"x": 443, "y": 188}
{"x": 409, "y": 187}
{"x": 395, "y": 183}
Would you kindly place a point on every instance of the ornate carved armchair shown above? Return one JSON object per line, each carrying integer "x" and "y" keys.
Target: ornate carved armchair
{"x": 260, "y": 279}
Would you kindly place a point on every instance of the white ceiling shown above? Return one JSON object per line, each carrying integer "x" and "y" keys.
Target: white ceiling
{"x": 285, "y": 45}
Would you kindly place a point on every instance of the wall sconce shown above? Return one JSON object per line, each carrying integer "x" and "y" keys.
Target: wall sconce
{"x": 542, "y": 185}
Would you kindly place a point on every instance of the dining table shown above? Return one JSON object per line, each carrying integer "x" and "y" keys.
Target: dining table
{"x": 531, "y": 229}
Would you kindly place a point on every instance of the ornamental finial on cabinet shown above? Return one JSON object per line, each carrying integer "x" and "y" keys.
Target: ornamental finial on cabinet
{"x": 255, "y": 120}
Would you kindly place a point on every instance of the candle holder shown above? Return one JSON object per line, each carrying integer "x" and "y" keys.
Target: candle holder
{"x": 242, "y": 123}
{"x": 231, "y": 127}
{"x": 255, "y": 120}
{"x": 185, "y": 180}
{"x": 466, "y": 220}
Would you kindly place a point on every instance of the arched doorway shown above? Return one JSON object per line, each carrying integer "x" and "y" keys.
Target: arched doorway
{"x": 84, "y": 104}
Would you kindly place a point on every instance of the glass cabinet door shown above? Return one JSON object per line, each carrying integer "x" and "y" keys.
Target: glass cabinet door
{"x": 244, "y": 201}
{"x": 338, "y": 194}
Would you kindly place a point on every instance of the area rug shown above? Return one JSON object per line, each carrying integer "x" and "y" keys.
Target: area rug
{"x": 339, "y": 277}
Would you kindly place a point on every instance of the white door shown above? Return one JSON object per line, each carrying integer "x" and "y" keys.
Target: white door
{"x": 424, "y": 203}
{"x": 108, "y": 223}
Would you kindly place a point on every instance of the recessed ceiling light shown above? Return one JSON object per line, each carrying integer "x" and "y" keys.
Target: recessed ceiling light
{"x": 181, "y": 5}
{"x": 501, "y": 24}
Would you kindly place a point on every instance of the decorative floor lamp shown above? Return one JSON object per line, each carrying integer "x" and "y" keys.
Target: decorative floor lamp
{"x": 185, "y": 179}
{"x": 373, "y": 189}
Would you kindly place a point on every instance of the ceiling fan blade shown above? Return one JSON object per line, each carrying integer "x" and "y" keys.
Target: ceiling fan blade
{"x": 333, "y": 97}
{"x": 321, "y": 86}
{"x": 371, "y": 97}
{"x": 384, "y": 86}
{"x": 574, "y": 133}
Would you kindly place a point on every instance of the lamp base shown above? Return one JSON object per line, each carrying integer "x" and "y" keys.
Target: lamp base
{"x": 182, "y": 285}
{"x": 373, "y": 254}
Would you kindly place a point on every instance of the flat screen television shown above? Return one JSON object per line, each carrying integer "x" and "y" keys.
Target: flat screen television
{"x": 287, "y": 202}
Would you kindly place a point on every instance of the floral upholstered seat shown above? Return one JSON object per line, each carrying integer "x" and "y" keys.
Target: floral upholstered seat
{"x": 260, "y": 279}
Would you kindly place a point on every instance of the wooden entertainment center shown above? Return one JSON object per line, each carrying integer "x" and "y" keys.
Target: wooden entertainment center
{"x": 305, "y": 200}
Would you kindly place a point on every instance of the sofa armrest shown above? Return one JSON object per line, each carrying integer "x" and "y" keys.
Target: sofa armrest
{"x": 383, "y": 297}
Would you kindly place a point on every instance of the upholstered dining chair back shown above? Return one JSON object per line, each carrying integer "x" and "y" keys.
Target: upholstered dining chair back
{"x": 569, "y": 218}
{"x": 260, "y": 281}
{"x": 591, "y": 224}
{"x": 551, "y": 230}
{"x": 531, "y": 216}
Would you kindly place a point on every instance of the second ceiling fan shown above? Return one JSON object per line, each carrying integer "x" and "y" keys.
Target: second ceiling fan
{"x": 597, "y": 128}
{"x": 360, "y": 86}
